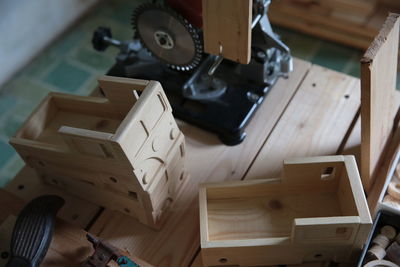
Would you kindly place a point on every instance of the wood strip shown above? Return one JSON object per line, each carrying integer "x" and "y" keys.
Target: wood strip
{"x": 227, "y": 28}
{"x": 378, "y": 84}
{"x": 314, "y": 124}
{"x": 208, "y": 160}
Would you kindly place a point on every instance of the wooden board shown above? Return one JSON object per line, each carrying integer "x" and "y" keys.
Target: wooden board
{"x": 76, "y": 211}
{"x": 314, "y": 124}
{"x": 378, "y": 84}
{"x": 357, "y": 28}
{"x": 227, "y": 28}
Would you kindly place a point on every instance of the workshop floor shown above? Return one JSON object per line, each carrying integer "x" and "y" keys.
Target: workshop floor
{"x": 71, "y": 65}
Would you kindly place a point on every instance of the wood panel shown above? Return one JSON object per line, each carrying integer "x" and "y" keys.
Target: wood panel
{"x": 314, "y": 124}
{"x": 27, "y": 185}
{"x": 378, "y": 84}
{"x": 227, "y": 28}
{"x": 346, "y": 22}
{"x": 208, "y": 160}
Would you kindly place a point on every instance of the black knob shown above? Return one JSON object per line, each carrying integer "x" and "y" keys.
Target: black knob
{"x": 98, "y": 41}
{"x": 33, "y": 231}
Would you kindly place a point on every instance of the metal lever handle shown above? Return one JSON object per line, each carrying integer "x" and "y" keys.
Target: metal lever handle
{"x": 33, "y": 231}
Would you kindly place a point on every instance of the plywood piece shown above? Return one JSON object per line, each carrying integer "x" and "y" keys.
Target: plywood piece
{"x": 207, "y": 160}
{"x": 314, "y": 123}
{"x": 227, "y": 28}
{"x": 378, "y": 84}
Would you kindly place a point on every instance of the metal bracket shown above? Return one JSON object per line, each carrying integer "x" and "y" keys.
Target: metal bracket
{"x": 104, "y": 253}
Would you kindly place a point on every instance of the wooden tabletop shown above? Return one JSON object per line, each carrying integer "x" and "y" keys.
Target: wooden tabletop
{"x": 312, "y": 113}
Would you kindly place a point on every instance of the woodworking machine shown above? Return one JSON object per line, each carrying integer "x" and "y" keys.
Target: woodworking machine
{"x": 206, "y": 90}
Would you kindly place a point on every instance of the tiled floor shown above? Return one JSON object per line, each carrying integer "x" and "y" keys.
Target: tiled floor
{"x": 71, "y": 65}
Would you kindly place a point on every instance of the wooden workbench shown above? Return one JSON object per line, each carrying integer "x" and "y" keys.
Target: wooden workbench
{"x": 311, "y": 113}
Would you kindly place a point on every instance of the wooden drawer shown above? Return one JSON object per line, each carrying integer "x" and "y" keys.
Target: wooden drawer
{"x": 317, "y": 211}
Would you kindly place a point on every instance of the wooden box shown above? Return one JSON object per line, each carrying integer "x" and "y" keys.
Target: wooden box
{"x": 316, "y": 212}
{"x": 123, "y": 152}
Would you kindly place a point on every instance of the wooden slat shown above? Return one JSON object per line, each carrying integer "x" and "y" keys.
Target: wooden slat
{"x": 227, "y": 28}
{"x": 378, "y": 83}
{"x": 314, "y": 124}
{"x": 208, "y": 160}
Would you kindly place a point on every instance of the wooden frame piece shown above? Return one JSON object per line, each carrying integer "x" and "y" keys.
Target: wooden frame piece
{"x": 123, "y": 152}
{"x": 227, "y": 28}
{"x": 317, "y": 211}
{"x": 378, "y": 84}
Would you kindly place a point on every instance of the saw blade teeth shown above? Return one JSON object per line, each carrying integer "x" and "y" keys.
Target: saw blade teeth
{"x": 193, "y": 32}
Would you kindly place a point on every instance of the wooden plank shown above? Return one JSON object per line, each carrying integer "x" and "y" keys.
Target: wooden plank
{"x": 314, "y": 123}
{"x": 198, "y": 262}
{"x": 352, "y": 146}
{"x": 208, "y": 160}
{"x": 69, "y": 246}
{"x": 27, "y": 185}
{"x": 378, "y": 84}
{"x": 333, "y": 25}
{"x": 227, "y": 28}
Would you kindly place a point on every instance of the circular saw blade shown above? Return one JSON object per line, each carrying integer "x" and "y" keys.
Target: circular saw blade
{"x": 168, "y": 36}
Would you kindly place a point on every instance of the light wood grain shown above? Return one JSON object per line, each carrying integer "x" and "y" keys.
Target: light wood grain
{"x": 122, "y": 153}
{"x": 314, "y": 123}
{"x": 227, "y": 28}
{"x": 67, "y": 239}
{"x": 27, "y": 185}
{"x": 208, "y": 160}
{"x": 378, "y": 84}
{"x": 353, "y": 23}
{"x": 291, "y": 221}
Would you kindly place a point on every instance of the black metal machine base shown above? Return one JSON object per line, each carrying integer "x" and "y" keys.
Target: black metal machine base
{"x": 227, "y": 115}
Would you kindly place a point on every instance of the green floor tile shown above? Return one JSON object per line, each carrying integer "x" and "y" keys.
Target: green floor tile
{"x": 67, "y": 77}
{"x": 355, "y": 69}
{"x": 15, "y": 165}
{"x": 40, "y": 65}
{"x": 333, "y": 56}
{"x": 7, "y": 102}
{"x": 70, "y": 41}
{"x": 96, "y": 60}
{"x": 302, "y": 46}
{"x": 29, "y": 89}
{"x": 9, "y": 126}
{"x": 6, "y": 152}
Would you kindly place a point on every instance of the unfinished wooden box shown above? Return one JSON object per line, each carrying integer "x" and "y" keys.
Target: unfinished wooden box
{"x": 316, "y": 212}
{"x": 123, "y": 152}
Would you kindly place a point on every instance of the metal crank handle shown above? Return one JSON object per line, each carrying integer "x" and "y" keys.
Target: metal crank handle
{"x": 33, "y": 231}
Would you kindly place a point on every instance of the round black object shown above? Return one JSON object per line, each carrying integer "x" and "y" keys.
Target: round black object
{"x": 98, "y": 38}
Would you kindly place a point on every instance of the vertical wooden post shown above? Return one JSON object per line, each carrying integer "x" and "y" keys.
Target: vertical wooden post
{"x": 227, "y": 28}
{"x": 378, "y": 83}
